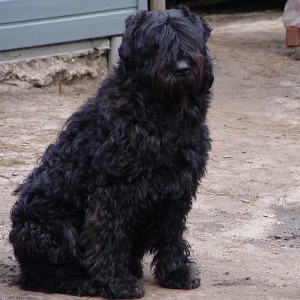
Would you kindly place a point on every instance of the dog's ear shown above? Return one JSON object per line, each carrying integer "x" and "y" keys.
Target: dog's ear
{"x": 126, "y": 48}
{"x": 185, "y": 10}
{"x": 197, "y": 21}
{"x": 126, "y": 51}
{"x": 206, "y": 29}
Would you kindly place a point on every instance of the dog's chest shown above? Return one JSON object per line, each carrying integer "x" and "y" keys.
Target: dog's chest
{"x": 168, "y": 148}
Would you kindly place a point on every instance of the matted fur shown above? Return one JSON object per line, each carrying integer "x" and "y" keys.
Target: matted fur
{"x": 120, "y": 178}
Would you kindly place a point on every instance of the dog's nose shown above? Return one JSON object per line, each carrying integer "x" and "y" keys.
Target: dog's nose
{"x": 182, "y": 68}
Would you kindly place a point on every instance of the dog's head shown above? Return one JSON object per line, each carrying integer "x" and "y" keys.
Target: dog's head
{"x": 166, "y": 52}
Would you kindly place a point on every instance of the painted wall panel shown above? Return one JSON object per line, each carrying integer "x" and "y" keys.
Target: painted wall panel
{"x": 25, "y": 10}
{"x": 29, "y": 23}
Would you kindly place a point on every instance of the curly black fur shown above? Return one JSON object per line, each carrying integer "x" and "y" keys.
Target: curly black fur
{"x": 120, "y": 179}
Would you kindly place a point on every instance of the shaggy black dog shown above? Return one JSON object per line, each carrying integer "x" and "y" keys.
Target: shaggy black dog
{"x": 120, "y": 179}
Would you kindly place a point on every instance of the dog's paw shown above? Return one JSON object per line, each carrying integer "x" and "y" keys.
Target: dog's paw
{"x": 185, "y": 278}
{"x": 122, "y": 288}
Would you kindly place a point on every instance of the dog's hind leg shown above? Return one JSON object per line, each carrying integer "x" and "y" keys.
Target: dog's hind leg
{"x": 48, "y": 257}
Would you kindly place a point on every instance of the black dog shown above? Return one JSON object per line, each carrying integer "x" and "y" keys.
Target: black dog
{"x": 120, "y": 179}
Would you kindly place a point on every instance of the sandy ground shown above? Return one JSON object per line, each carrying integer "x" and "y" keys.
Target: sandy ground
{"x": 245, "y": 224}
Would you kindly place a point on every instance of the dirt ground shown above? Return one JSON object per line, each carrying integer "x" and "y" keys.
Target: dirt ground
{"x": 245, "y": 224}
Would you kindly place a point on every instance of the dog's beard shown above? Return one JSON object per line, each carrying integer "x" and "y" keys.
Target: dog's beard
{"x": 183, "y": 95}
{"x": 173, "y": 91}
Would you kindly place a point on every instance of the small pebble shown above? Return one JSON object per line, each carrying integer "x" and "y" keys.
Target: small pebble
{"x": 3, "y": 134}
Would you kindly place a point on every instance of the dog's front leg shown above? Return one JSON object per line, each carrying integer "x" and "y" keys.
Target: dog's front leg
{"x": 173, "y": 268}
{"x": 106, "y": 246}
